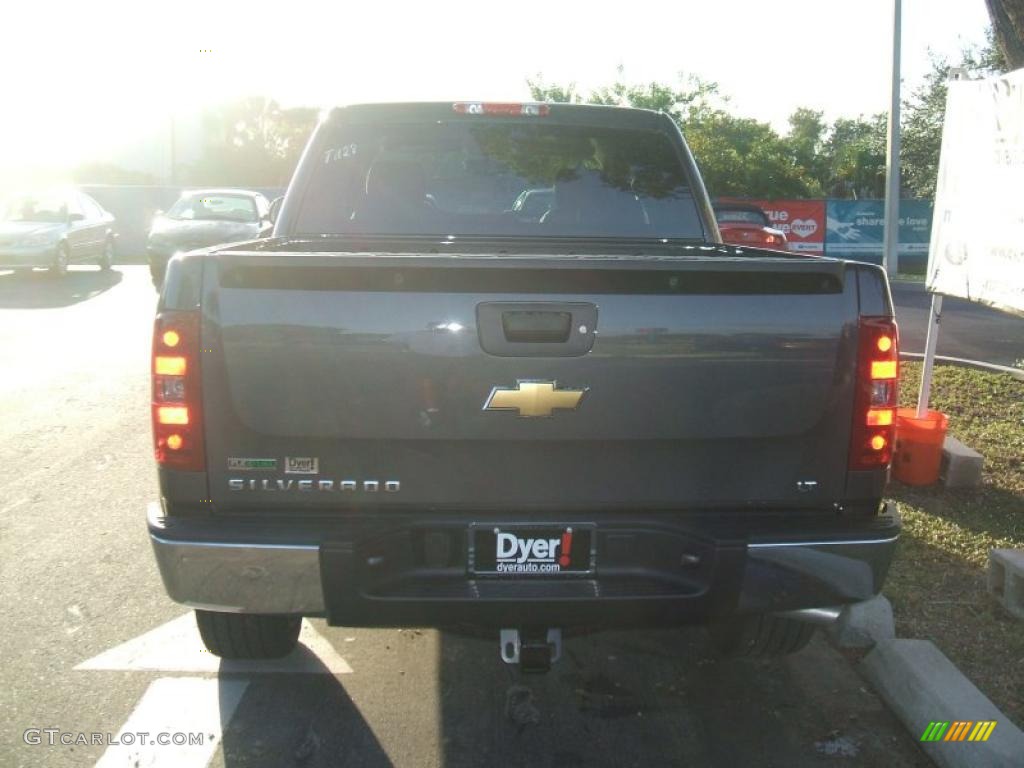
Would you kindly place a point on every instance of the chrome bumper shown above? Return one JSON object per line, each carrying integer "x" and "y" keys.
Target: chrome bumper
{"x": 794, "y": 576}
{"x": 238, "y": 578}
{"x": 805, "y": 579}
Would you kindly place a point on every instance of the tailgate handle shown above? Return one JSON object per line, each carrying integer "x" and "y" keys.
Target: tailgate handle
{"x": 533, "y": 327}
{"x": 536, "y": 329}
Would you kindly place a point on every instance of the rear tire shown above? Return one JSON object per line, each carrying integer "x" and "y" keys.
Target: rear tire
{"x": 106, "y": 259}
{"x": 248, "y": 635}
{"x": 760, "y": 636}
{"x": 59, "y": 267}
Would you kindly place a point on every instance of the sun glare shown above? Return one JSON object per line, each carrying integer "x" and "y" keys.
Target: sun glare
{"x": 112, "y": 81}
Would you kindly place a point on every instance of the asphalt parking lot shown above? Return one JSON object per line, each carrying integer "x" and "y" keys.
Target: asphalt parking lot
{"x": 968, "y": 331}
{"x": 92, "y": 645}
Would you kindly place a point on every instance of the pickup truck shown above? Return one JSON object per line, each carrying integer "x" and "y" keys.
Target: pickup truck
{"x": 415, "y": 405}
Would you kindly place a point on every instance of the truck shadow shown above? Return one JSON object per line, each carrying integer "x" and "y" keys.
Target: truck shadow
{"x": 41, "y": 290}
{"x": 661, "y": 698}
{"x": 295, "y": 719}
{"x": 648, "y": 698}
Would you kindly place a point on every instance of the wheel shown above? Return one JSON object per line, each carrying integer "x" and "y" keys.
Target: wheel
{"x": 248, "y": 635}
{"x": 59, "y": 268}
{"x": 106, "y": 259}
{"x": 760, "y": 636}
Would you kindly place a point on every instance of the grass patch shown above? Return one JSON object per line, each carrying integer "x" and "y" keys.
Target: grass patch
{"x": 912, "y": 277}
{"x": 937, "y": 583}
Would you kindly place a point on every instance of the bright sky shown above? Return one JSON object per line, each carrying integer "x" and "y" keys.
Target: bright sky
{"x": 88, "y": 81}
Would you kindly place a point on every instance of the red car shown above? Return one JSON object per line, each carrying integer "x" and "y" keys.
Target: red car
{"x": 743, "y": 224}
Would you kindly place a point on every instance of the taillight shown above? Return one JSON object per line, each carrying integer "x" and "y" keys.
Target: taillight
{"x": 177, "y": 404}
{"x": 874, "y": 410}
{"x": 496, "y": 109}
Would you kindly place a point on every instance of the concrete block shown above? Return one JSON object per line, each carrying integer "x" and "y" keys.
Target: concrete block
{"x": 961, "y": 466}
{"x": 922, "y": 686}
{"x": 1006, "y": 579}
{"x": 861, "y": 625}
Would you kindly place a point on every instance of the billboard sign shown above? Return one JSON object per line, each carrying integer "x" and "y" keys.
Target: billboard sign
{"x": 977, "y": 244}
{"x": 856, "y": 229}
{"x": 803, "y": 221}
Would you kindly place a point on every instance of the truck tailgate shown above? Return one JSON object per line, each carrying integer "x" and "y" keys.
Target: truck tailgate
{"x": 333, "y": 382}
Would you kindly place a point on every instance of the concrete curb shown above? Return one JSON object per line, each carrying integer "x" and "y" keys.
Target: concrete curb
{"x": 862, "y": 625}
{"x": 922, "y": 686}
{"x": 1006, "y": 579}
{"x": 961, "y": 465}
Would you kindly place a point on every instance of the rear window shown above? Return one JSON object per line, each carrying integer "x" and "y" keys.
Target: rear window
{"x": 497, "y": 178}
{"x": 49, "y": 208}
{"x": 212, "y": 207}
{"x": 740, "y": 216}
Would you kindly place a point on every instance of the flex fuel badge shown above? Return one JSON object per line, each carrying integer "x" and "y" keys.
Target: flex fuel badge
{"x": 251, "y": 465}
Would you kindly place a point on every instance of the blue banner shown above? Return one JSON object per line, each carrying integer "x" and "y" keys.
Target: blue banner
{"x": 856, "y": 230}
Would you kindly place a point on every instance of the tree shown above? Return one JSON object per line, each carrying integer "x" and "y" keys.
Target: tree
{"x": 806, "y": 141}
{"x": 855, "y": 157}
{"x": 691, "y": 97}
{"x": 745, "y": 157}
{"x": 109, "y": 173}
{"x": 1008, "y": 27}
{"x": 737, "y": 156}
{"x": 252, "y": 142}
{"x": 555, "y": 94}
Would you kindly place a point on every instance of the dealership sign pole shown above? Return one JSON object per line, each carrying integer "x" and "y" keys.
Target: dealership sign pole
{"x": 924, "y": 394}
{"x": 934, "y": 318}
{"x": 890, "y": 256}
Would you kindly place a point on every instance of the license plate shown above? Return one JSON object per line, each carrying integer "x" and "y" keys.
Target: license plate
{"x": 531, "y": 550}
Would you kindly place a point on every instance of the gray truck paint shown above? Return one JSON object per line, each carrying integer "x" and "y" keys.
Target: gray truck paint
{"x": 692, "y": 399}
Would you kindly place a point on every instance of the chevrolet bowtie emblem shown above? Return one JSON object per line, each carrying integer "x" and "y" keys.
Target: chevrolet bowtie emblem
{"x": 533, "y": 398}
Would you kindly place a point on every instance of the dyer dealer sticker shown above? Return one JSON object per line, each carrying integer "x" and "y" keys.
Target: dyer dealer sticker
{"x": 301, "y": 465}
{"x": 541, "y": 550}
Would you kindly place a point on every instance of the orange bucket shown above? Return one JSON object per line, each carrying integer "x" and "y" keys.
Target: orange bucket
{"x": 918, "y": 454}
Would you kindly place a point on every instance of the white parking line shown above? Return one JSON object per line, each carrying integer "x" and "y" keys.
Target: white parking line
{"x": 13, "y": 505}
{"x": 196, "y": 707}
{"x": 177, "y": 647}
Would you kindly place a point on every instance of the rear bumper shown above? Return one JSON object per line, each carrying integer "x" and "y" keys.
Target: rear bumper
{"x": 238, "y": 576}
{"x": 652, "y": 574}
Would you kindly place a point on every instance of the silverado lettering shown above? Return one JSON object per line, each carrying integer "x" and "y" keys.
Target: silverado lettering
{"x": 349, "y": 486}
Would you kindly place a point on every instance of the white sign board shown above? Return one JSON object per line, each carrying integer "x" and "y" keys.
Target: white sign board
{"x": 977, "y": 247}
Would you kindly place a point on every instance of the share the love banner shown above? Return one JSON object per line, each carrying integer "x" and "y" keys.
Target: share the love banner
{"x": 856, "y": 230}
